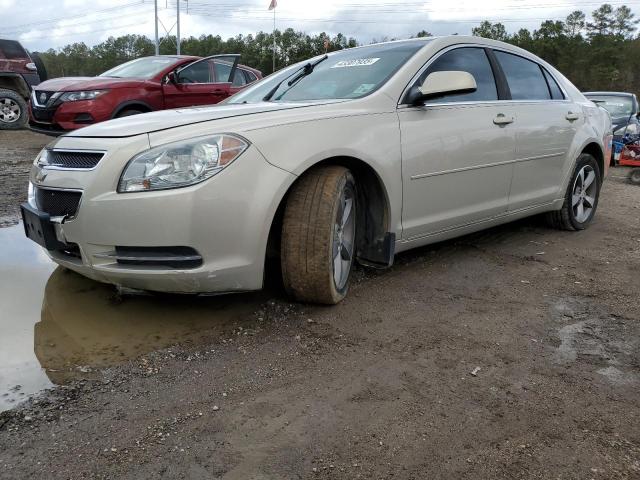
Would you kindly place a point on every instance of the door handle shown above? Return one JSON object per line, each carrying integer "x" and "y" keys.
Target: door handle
{"x": 501, "y": 119}
{"x": 572, "y": 116}
{"x": 218, "y": 92}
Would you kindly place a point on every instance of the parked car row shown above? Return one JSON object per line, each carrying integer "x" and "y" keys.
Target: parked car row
{"x": 350, "y": 156}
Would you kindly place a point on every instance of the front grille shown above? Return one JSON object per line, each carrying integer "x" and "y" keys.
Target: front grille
{"x": 57, "y": 203}
{"x": 43, "y": 114}
{"x": 62, "y": 159}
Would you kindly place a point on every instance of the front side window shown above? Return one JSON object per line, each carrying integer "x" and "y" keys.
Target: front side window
{"x": 468, "y": 59}
{"x": 524, "y": 77}
{"x": 198, "y": 72}
{"x": 11, "y": 49}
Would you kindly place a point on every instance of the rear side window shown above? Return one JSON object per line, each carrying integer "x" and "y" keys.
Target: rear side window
{"x": 554, "y": 88}
{"x": 11, "y": 49}
{"x": 524, "y": 77}
{"x": 239, "y": 79}
{"x": 468, "y": 59}
{"x": 251, "y": 77}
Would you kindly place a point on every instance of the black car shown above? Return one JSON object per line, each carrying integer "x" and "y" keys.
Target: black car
{"x": 624, "y": 111}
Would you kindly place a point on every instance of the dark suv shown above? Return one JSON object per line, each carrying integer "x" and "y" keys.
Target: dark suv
{"x": 19, "y": 73}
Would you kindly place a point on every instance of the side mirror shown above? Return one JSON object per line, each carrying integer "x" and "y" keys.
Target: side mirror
{"x": 445, "y": 83}
{"x": 172, "y": 78}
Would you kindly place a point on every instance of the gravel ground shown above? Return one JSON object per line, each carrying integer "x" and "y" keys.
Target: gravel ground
{"x": 511, "y": 353}
{"x": 17, "y": 152}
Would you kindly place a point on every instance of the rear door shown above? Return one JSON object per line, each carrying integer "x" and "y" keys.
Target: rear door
{"x": 546, "y": 123}
{"x": 457, "y": 150}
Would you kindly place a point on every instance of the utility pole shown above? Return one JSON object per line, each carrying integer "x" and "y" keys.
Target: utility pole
{"x": 156, "y": 24}
{"x": 178, "y": 24}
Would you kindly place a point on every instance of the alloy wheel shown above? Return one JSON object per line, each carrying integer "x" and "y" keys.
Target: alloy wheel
{"x": 585, "y": 190}
{"x": 344, "y": 231}
{"x": 9, "y": 110}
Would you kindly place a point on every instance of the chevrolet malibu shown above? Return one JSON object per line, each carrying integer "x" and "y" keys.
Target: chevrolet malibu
{"x": 352, "y": 156}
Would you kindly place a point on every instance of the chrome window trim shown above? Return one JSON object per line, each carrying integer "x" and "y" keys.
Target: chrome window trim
{"x": 438, "y": 54}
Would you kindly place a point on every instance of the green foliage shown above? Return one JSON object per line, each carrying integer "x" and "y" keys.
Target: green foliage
{"x": 600, "y": 54}
{"x": 257, "y": 50}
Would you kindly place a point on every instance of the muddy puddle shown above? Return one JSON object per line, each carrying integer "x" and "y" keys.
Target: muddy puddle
{"x": 56, "y": 325}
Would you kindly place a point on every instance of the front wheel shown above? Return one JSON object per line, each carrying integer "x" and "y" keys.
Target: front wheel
{"x": 13, "y": 110}
{"x": 319, "y": 235}
{"x": 634, "y": 176}
{"x": 581, "y": 196}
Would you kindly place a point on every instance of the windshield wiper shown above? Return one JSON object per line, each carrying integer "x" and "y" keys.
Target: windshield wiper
{"x": 298, "y": 74}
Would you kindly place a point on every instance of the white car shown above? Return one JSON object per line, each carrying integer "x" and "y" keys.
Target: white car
{"x": 355, "y": 155}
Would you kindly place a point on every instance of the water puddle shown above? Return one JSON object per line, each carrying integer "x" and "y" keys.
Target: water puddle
{"x": 56, "y": 325}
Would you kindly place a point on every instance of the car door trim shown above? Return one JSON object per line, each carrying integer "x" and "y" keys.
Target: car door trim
{"x": 486, "y": 165}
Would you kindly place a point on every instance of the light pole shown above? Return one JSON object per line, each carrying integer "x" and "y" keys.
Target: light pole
{"x": 156, "y": 24}
{"x": 178, "y": 24}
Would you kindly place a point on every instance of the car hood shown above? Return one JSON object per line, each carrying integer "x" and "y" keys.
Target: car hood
{"x": 165, "y": 119}
{"x": 70, "y": 84}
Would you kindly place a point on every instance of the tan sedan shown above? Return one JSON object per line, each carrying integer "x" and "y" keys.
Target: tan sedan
{"x": 352, "y": 156}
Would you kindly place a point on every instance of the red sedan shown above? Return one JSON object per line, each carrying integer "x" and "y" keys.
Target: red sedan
{"x": 142, "y": 85}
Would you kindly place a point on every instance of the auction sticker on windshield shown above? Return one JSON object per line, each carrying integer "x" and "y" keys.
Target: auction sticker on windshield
{"x": 356, "y": 62}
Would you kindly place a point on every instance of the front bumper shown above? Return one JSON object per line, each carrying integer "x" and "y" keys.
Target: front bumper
{"x": 59, "y": 117}
{"x": 225, "y": 219}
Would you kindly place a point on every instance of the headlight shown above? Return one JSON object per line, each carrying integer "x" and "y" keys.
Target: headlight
{"x": 180, "y": 164}
{"x": 83, "y": 95}
{"x": 631, "y": 129}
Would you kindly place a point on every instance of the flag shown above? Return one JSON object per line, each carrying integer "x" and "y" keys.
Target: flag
{"x": 273, "y": 4}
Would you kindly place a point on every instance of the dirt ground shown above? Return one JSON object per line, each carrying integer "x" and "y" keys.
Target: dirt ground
{"x": 511, "y": 353}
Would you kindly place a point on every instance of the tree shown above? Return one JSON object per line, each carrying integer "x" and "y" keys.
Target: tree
{"x": 624, "y": 23}
{"x": 603, "y": 21}
{"x": 575, "y": 23}
{"x": 487, "y": 29}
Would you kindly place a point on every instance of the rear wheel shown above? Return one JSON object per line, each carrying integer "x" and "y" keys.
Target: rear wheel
{"x": 13, "y": 110}
{"x": 318, "y": 235}
{"x": 581, "y": 197}
{"x": 634, "y": 176}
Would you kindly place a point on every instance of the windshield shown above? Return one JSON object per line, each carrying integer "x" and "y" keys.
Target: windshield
{"x": 351, "y": 73}
{"x": 617, "y": 106}
{"x": 145, "y": 67}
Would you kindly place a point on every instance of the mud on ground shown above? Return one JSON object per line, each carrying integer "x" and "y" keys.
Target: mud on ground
{"x": 511, "y": 353}
{"x": 18, "y": 149}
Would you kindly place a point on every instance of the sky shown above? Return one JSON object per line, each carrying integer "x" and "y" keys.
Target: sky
{"x": 43, "y": 24}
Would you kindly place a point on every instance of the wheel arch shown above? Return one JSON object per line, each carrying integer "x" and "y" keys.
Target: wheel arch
{"x": 15, "y": 82}
{"x": 374, "y": 241}
{"x": 594, "y": 149}
{"x": 131, "y": 104}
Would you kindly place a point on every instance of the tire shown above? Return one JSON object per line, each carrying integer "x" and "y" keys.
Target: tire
{"x": 13, "y": 110}
{"x": 128, "y": 112}
{"x": 318, "y": 236}
{"x": 634, "y": 176}
{"x": 580, "y": 204}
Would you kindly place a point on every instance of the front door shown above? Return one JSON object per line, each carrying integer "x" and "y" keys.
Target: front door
{"x": 457, "y": 151}
{"x": 201, "y": 82}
